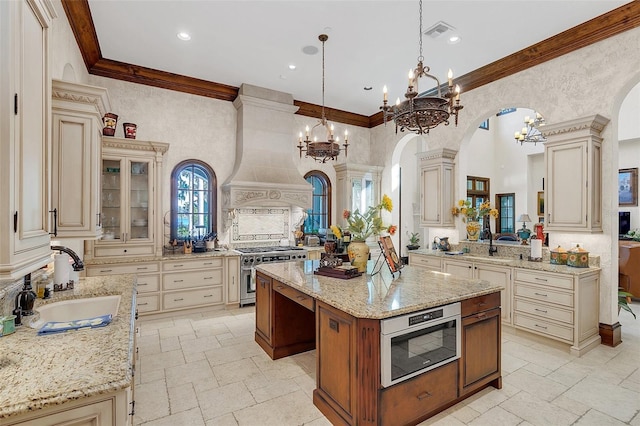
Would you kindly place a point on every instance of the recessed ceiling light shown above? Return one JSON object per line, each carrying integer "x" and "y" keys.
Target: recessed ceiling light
{"x": 292, "y": 67}
{"x": 310, "y": 50}
{"x": 453, "y": 39}
{"x": 184, "y": 36}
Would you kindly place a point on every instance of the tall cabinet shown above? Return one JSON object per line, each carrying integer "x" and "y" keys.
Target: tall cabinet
{"x": 25, "y": 132}
{"x": 358, "y": 187}
{"x": 437, "y": 179}
{"x": 573, "y": 170}
{"x": 131, "y": 199}
{"x": 77, "y": 112}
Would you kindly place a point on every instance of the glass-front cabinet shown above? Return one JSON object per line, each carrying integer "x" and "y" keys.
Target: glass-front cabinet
{"x": 358, "y": 187}
{"x": 131, "y": 203}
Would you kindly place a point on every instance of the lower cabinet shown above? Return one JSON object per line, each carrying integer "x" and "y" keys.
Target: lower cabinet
{"x": 104, "y": 410}
{"x": 481, "y": 334}
{"x": 430, "y": 263}
{"x": 263, "y": 308}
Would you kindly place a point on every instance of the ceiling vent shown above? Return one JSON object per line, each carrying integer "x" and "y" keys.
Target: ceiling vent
{"x": 438, "y": 29}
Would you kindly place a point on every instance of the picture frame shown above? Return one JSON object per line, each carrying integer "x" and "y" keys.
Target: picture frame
{"x": 628, "y": 187}
{"x": 390, "y": 255}
{"x": 540, "y": 203}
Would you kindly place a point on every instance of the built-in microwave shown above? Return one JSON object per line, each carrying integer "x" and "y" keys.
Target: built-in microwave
{"x": 414, "y": 343}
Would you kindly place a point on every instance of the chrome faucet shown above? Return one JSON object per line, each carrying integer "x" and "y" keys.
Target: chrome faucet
{"x": 77, "y": 262}
{"x": 492, "y": 249}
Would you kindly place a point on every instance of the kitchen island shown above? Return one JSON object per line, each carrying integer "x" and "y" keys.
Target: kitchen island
{"x": 298, "y": 311}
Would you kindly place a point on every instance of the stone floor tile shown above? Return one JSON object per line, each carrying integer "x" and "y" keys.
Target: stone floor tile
{"x": 542, "y": 387}
{"x": 201, "y": 344}
{"x": 623, "y": 404}
{"x": 306, "y": 383}
{"x": 487, "y": 401}
{"x": 191, "y": 417}
{"x": 496, "y": 416}
{"x": 224, "y": 400}
{"x": 290, "y": 409}
{"x": 275, "y": 389}
{"x": 465, "y": 414}
{"x": 236, "y": 371}
{"x": 161, "y": 361}
{"x": 636, "y": 420}
{"x": 170, "y": 344}
{"x": 177, "y": 330}
{"x": 225, "y": 420}
{"x": 233, "y": 353}
{"x": 596, "y": 418}
{"x": 322, "y": 421}
{"x": 149, "y": 376}
{"x": 511, "y": 363}
{"x": 182, "y": 398}
{"x": 193, "y": 372}
{"x": 571, "y": 405}
{"x": 443, "y": 418}
{"x": 152, "y": 402}
{"x": 538, "y": 411}
{"x": 537, "y": 369}
{"x": 570, "y": 374}
{"x": 194, "y": 356}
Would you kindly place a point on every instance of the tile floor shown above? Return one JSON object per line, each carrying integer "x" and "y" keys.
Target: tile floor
{"x": 205, "y": 369}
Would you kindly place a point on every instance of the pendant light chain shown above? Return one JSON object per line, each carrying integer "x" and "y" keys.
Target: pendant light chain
{"x": 420, "y": 58}
{"x": 323, "y": 117}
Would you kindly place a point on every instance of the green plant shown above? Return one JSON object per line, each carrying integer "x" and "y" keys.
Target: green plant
{"x": 414, "y": 239}
{"x": 623, "y": 301}
{"x": 473, "y": 213}
{"x": 361, "y": 226}
{"x": 634, "y": 234}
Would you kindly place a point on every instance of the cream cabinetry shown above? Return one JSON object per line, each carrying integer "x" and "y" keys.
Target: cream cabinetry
{"x": 430, "y": 263}
{"x": 148, "y": 281}
{"x": 573, "y": 170}
{"x": 232, "y": 278}
{"x": 77, "y": 112}
{"x": 357, "y": 186}
{"x": 493, "y": 273}
{"x": 192, "y": 283}
{"x": 25, "y": 133}
{"x": 558, "y": 306}
{"x": 131, "y": 199}
{"x": 437, "y": 178}
{"x": 109, "y": 410}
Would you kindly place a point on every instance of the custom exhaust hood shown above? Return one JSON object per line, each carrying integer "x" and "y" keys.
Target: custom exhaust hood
{"x": 265, "y": 174}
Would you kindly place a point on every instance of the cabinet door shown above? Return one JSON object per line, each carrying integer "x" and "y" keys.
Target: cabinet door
{"x": 263, "y": 306}
{"x": 502, "y": 276}
{"x": 458, "y": 268}
{"x": 566, "y": 195}
{"x": 233, "y": 274}
{"x": 139, "y": 195}
{"x": 480, "y": 361}
{"x": 431, "y": 197}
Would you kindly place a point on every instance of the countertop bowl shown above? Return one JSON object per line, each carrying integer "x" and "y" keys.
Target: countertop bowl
{"x": 76, "y": 309}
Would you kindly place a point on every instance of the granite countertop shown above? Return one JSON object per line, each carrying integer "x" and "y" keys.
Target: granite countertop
{"x": 510, "y": 262}
{"x": 177, "y": 256}
{"x": 42, "y": 371}
{"x": 379, "y": 296}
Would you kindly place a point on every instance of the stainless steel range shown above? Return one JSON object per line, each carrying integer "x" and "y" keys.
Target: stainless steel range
{"x": 254, "y": 256}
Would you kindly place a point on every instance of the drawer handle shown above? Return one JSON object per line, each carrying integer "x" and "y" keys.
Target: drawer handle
{"x": 106, "y": 270}
{"x": 541, "y": 310}
{"x": 141, "y": 284}
{"x": 142, "y": 268}
{"x": 177, "y": 300}
{"x": 540, "y": 294}
{"x": 208, "y": 278}
{"x": 481, "y": 316}
{"x": 423, "y": 395}
{"x": 541, "y": 279}
{"x": 143, "y": 304}
{"x": 208, "y": 263}
{"x": 280, "y": 287}
{"x": 541, "y": 326}
{"x": 208, "y": 295}
{"x": 178, "y": 281}
{"x": 178, "y": 266}
{"x": 481, "y": 304}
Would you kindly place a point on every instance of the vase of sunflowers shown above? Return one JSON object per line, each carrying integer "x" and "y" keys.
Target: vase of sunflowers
{"x": 471, "y": 216}
{"x": 362, "y": 226}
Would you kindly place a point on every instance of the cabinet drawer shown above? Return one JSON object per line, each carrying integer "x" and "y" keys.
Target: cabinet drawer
{"x": 191, "y": 298}
{"x": 189, "y": 279}
{"x": 428, "y": 262}
{"x": 295, "y": 295}
{"x": 148, "y": 283}
{"x": 148, "y": 303}
{"x": 117, "y": 269}
{"x": 546, "y": 279}
{"x": 183, "y": 265}
{"x": 479, "y": 304}
{"x": 123, "y": 251}
{"x": 543, "y": 327}
{"x": 544, "y": 295}
{"x": 543, "y": 311}
{"x": 407, "y": 401}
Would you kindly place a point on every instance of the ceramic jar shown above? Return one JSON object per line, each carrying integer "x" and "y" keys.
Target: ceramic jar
{"x": 110, "y": 120}
{"x": 129, "y": 130}
{"x": 473, "y": 230}
{"x": 358, "y": 252}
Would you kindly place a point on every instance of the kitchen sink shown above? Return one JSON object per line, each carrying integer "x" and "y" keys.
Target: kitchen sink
{"x": 76, "y": 309}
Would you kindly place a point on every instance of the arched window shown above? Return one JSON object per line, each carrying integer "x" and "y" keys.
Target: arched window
{"x": 320, "y": 213}
{"x": 193, "y": 200}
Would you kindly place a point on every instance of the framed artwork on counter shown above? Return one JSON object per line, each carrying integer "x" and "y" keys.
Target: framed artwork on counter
{"x": 628, "y": 187}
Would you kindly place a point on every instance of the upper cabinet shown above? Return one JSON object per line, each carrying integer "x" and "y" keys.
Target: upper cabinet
{"x": 25, "y": 130}
{"x": 77, "y": 112}
{"x": 358, "y": 187}
{"x": 573, "y": 170}
{"x": 437, "y": 173}
{"x": 131, "y": 199}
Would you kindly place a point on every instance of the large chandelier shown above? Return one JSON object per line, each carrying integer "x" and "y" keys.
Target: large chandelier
{"x": 420, "y": 113}
{"x": 322, "y": 150}
{"x": 530, "y": 133}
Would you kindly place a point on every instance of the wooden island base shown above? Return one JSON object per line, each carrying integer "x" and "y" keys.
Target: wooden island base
{"x": 349, "y": 390}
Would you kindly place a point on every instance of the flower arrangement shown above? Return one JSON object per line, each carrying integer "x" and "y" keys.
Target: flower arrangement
{"x": 361, "y": 226}
{"x": 473, "y": 214}
{"x": 634, "y": 234}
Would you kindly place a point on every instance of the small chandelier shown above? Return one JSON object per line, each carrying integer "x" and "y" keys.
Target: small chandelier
{"x": 530, "y": 133}
{"x": 322, "y": 151}
{"x": 421, "y": 113}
